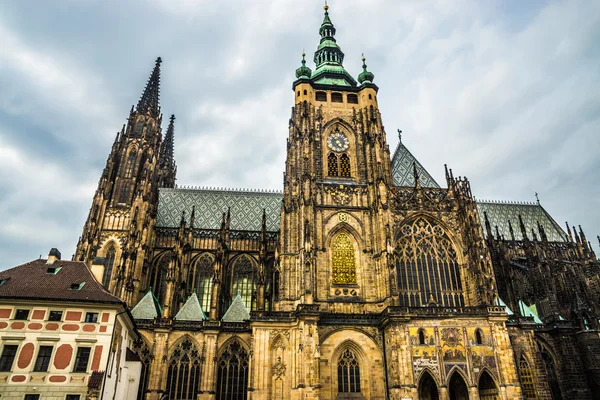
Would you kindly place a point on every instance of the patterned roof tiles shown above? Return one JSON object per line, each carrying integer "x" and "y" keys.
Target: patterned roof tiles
{"x": 147, "y": 308}
{"x": 246, "y": 208}
{"x": 237, "y": 311}
{"x": 402, "y": 169}
{"x": 191, "y": 310}
{"x": 500, "y": 213}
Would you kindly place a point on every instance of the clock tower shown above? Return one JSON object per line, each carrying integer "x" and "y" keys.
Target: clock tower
{"x": 335, "y": 220}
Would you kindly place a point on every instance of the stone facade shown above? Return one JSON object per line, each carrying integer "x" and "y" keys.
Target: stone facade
{"x": 358, "y": 284}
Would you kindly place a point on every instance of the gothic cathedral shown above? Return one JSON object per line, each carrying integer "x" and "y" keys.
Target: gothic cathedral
{"x": 363, "y": 279}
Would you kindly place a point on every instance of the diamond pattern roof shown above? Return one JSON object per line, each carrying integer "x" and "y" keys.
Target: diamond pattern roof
{"x": 147, "y": 308}
{"x": 246, "y": 208}
{"x": 402, "y": 169}
{"x": 237, "y": 311}
{"x": 191, "y": 310}
{"x": 500, "y": 213}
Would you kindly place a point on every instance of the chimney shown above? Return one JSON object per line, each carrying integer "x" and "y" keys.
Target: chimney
{"x": 98, "y": 268}
{"x": 53, "y": 256}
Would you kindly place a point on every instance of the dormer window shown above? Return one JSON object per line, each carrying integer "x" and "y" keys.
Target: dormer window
{"x": 77, "y": 286}
{"x": 53, "y": 270}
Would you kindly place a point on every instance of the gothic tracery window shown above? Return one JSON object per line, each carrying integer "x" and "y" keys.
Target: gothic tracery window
{"x": 146, "y": 358}
{"x": 244, "y": 280}
{"x": 345, "y": 166}
{"x": 348, "y": 373}
{"x": 109, "y": 261}
{"x": 332, "y": 165}
{"x": 343, "y": 267}
{"x": 232, "y": 373}
{"x": 183, "y": 379}
{"x": 526, "y": 379}
{"x": 428, "y": 271}
{"x": 203, "y": 280}
{"x": 129, "y": 165}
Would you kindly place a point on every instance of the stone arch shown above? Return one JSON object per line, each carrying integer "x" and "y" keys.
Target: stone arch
{"x": 111, "y": 252}
{"x": 527, "y": 377}
{"x": 232, "y": 370}
{"x": 344, "y": 253}
{"x": 458, "y": 388}
{"x": 551, "y": 367}
{"x": 368, "y": 354}
{"x": 427, "y": 387}
{"x": 353, "y": 223}
{"x": 340, "y": 125}
{"x": 326, "y": 335}
{"x": 487, "y": 386}
{"x": 347, "y": 361}
{"x": 429, "y": 264}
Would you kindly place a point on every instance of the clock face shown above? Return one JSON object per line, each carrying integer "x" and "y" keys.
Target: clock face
{"x": 337, "y": 141}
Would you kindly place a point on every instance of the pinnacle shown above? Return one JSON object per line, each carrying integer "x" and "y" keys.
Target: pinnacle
{"x": 149, "y": 102}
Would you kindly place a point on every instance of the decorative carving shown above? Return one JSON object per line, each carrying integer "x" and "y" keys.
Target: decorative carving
{"x": 278, "y": 368}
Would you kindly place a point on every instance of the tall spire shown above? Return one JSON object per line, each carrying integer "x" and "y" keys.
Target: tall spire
{"x": 149, "y": 100}
{"x": 168, "y": 147}
{"x": 329, "y": 57}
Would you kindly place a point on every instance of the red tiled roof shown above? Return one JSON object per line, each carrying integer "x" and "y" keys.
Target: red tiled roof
{"x": 32, "y": 281}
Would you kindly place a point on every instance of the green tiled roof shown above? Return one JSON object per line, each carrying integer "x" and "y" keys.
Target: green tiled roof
{"x": 246, "y": 208}
{"x": 191, "y": 310}
{"x": 499, "y": 213}
{"x": 147, "y": 308}
{"x": 402, "y": 169}
{"x": 237, "y": 311}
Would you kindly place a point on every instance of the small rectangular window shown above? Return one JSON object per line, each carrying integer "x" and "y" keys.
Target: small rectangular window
{"x": 91, "y": 317}
{"x": 43, "y": 359}
{"x": 55, "y": 316}
{"x": 352, "y": 99}
{"x": 73, "y": 397}
{"x": 22, "y": 314}
{"x": 321, "y": 96}
{"x": 53, "y": 270}
{"x": 8, "y": 357}
{"x": 81, "y": 361}
{"x": 32, "y": 397}
{"x": 337, "y": 98}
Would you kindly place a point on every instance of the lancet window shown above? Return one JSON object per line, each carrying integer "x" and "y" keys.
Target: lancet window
{"x": 109, "y": 261}
{"x": 158, "y": 280}
{"x": 185, "y": 365}
{"x": 345, "y": 166}
{"x": 526, "y": 379}
{"x": 343, "y": 260}
{"x": 332, "y": 165}
{"x": 232, "y": 373}
{"x": 203, "y": 279}
{"x": 339, "y": 165}
{"x": 428, "y": 270}
{"x": 146, "y": 358}
{"x": 129, "y": 165}
{"x": 244, "y": 280}
{"x": 348, "y": 373}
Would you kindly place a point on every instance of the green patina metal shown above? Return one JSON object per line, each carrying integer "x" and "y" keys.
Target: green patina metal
{"x": 303, "y": 71}
{"x": 365, "y": 76}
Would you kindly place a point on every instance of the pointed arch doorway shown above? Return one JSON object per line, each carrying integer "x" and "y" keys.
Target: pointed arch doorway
{"x": 427, "y": 388}
{"x": 457, "y": 388}
{"x": 487, "y": 387}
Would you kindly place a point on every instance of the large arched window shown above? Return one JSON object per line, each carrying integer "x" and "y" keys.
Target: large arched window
{"x": 232, "y": 373}
{"x": 527, "y": 382}
{"x": 244, "y": 280}
{"x": 332, "y": 165}
{"x": 203, "y": 280}
{"x": 130, "y": 165}
{"x": 145, "y": 356}
{"x": 158, "y": 279}
{"x": 343, "y": 268}
{"x": 183, "y": 379}
{"x": 348, "y": 373}
{"x": 345, "y": 166}
{"x": 109, "y": 262}
{"x": 552, "y": 373}
{"x": 428, "y": 271}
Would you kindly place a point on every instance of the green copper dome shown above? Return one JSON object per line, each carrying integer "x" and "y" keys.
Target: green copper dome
{"x": 303, "y": 71}
{"x": 365, "y": 76}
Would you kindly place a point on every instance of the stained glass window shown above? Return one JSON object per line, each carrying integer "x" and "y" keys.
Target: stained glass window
{"x": 348, "y": 373}
{"x": 428, "y": 271}
{"x": 183, "y": 380}
{"x": 526, "y": 379}
{"x": 244, "y": 280}
{"x": 343, "y": 259}
{"x": 345, "y": 166}
{"x": 332, "y": 165}
{"x": 232, "y": 373}
{"x": 203, "y": 280}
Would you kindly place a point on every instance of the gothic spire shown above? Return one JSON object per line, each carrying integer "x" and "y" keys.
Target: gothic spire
{"x": 149, "y": 100}
{"x": 168, "y": 147}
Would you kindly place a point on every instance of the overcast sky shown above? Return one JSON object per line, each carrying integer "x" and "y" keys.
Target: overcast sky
{"x": 504, "y": 92}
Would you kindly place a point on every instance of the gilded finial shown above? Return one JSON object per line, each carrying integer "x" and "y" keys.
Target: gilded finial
{"x": 325, "y": 7}
{"x": 363, "y": 57}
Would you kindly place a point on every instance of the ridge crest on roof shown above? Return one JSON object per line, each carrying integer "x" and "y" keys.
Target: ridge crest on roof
{"x": 224, "y": 189}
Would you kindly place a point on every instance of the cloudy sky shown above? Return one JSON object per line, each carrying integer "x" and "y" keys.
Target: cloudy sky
{"x": 504, "y": 92}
